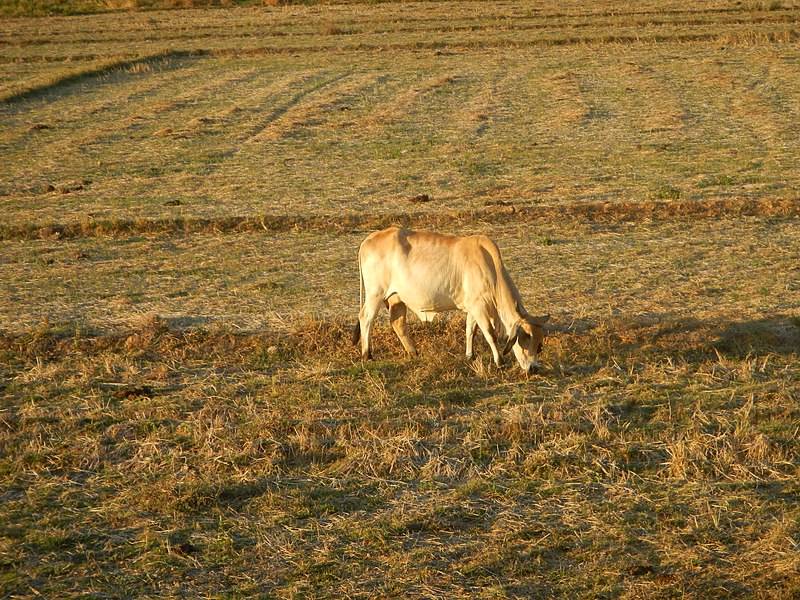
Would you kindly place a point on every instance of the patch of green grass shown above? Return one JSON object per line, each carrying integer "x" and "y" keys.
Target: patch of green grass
{"x": 715, "y": 181}
{"x": 667, "y": 193}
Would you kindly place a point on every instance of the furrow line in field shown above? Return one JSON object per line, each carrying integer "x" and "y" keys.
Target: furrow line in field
{"x": 202, "y": 26}
{"x": 498, "y": 212}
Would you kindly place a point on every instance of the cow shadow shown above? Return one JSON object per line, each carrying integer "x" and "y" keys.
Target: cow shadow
{"x": 581, "y": 346}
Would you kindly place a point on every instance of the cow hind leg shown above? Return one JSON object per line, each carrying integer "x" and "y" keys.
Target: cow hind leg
{"x": 397, "y": 317}
{"x": 366, "y": 317}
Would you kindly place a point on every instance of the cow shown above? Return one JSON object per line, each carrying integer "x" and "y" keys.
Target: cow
{"x": 432, "y": 273}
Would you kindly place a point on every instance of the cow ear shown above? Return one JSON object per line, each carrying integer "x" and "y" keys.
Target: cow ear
{"x": 512, "y": 338}
{"x": 541, "y": 320}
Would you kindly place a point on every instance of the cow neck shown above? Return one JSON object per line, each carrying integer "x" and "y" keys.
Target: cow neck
{"x": 509, "y": 306}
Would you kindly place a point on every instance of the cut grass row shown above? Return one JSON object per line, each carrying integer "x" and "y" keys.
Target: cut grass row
{"x": 78, "y": 7}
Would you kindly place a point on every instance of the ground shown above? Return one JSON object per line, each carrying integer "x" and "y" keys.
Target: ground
{"x": 183, "y": 194}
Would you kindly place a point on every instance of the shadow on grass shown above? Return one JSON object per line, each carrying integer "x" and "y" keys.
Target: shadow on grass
{"x": 737, "y": 339}
{"x": 779, "y": 335}
{"x": 584, "y": 348}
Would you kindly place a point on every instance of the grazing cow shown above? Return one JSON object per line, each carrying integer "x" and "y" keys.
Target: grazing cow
{"x": 431, "y": 273}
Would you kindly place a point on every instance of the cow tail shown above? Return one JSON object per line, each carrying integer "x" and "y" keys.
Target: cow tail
{"x": 356, "y": 336}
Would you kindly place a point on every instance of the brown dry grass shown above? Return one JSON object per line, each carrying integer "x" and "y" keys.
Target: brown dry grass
{"x": 186, "y": 459}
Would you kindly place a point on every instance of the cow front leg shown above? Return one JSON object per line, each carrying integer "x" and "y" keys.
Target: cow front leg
{"x": 397, "y": 317}
{"x": 488, "y": 333}
{"x": 471, "y": 328}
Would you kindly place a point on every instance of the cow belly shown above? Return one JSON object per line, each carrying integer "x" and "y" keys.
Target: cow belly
{"x": 425, "y": 304}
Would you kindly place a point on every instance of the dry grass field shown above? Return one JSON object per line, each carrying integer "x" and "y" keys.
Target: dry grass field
{"x": 182, "y": 197}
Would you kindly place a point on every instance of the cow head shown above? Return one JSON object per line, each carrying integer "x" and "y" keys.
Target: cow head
{"x": 525, "y": 338}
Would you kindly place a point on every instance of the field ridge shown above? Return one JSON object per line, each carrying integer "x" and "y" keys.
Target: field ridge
{"x": 491, "y": 212}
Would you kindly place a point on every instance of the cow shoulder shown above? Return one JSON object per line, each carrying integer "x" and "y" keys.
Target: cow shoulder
{"x": 380, "y": 241}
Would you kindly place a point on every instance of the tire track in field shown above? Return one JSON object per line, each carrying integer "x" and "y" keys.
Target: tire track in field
{"x": 115, "y": 92}
{"x": 128, "y": 90}
{"x": 119, "y": 127}
{"x": 317, "y": 106}
{"x": 503, "y": 212}
{"x": 270, "y": 100}
{"x": 757, "y": 103}
{"x": 566, "y": 104}
{"x": 643, "y": 84}
{"x": 748, "y": 112}
{"x": 405, "y": 99}
{"x": 480, "y": 113}
{"x": 281, "y": 111}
